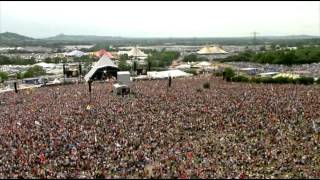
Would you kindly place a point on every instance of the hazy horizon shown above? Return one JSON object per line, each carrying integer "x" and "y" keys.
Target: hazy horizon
{"x": 160, "y": 19}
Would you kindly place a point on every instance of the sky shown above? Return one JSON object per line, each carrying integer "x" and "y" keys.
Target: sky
{"x": 160, "y": 19}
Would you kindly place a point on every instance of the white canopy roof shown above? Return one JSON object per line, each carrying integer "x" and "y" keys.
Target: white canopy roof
{"x": 203, "y": 64}
{"x": 166, "y": 74}
{"x": 136, "y": 52}
{"x": 45, "y": 65}
{"x": 183, "y": 66}
{"x": 288, "y": 75}
{"x": 211, "y": 50}
{"x": 248, "y": 69}
{"x": 268, "y": 73}
{"x": 76, "y": 53}
{"x": 103, "y": 62}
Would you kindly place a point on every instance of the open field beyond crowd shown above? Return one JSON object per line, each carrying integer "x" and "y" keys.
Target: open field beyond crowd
{"x": 232, "y": 130}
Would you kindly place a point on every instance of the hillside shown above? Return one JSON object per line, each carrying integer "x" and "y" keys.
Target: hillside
{"x": 13, "y": 39}
{"x": 81, "y": 38}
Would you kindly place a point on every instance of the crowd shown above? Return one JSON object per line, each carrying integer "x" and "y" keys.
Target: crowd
{"x": 231, "y": 130}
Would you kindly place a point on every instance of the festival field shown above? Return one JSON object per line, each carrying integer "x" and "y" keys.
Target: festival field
{"x": 231, "y": 130}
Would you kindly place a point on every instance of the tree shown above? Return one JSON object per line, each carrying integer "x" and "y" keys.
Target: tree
{"x": 149, "y": 64}
{"x": 273, "y": 46}
{"x": 4, "y": 60}
{"x": 229, "y": 73}
{"x": 48, "y": 60}
{"x": 3, "y": 76}
{"x": 288, "y": 57}
{"x": 161, "y": 59}
{"x": 34, "y": 71}
{"x": 134, "y": 66}
{"x": 19, "y": 75}
{"x": 123, "y": 65}
{"x": 262, "y": 48}
{"x": 124, "y": 57}
{"x": 190, "y": 58}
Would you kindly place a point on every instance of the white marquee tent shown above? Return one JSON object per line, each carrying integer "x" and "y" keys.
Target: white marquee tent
{"x": 203, "y": 64}
{"x": 212, "y": 50}
{"x": 135, "y": 52}
{"x": 75, "y": 53}
{"x": 166, "y": 74}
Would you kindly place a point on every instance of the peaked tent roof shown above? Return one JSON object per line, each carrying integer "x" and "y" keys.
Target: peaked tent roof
{"x": 136, "y": 52}
{"x": 211, "y": 50}
{"x": 103, "y": 62}
{"x": 102, "y": 52}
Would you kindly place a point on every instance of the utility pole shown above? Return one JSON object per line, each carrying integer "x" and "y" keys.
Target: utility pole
{"x": 80, "y": 71}
{"x": 255, "y": 40}
{"x": 64, "y": 73}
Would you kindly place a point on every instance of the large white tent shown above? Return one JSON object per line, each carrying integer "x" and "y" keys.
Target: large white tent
{"x": 166, "y": 74}
{"x": 136, "y": 52}
{"x": 183, "y": 66}
{"x": 46, "y": 65}
{"x": 103, "y": 62}
{"x": 203, "y": 64}
{"x": 211, "y": 50}
{"x": 75, "y": 53}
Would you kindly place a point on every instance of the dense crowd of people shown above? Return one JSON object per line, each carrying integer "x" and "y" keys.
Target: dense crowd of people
{"x": 231, "y": 130}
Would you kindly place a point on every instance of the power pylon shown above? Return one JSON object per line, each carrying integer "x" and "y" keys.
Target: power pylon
{"x": 255, "y": 39}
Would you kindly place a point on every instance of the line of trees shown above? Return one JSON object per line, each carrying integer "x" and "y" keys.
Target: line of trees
{"x": 157, "y": 60}
{"x": 230, "y": 76}
{"x": 33, "y": 71}
{"x": 123, "y": 65}
{"x": 3, "y": 76}
{"x": 5, "y": 60}
{"x": 161, "y": 58}
{"x": 287, "y": 57}
{"x": 55, "y": 60}
{"x": 194, "y": 58}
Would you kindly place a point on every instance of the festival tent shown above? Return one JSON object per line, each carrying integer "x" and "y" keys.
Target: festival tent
{"x": 268, "y": 74}
{"x": 45, "y": 65}
{"x": 166, "y": 74}
{"x": 75, "y": 53}
{"x": 287, "y": 75}
{"x": 104, "y": 62}
{"x": 135, "y": 52}
{"x": 183, "y": 66}
{"x": 203, "y": 64}
{"x": 212, "y": 50}
{"x": 102, "y": 52}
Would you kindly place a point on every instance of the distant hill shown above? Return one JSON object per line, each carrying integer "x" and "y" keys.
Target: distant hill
{"x": 13, "y": 39}
{"x": 81, "y": 38}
